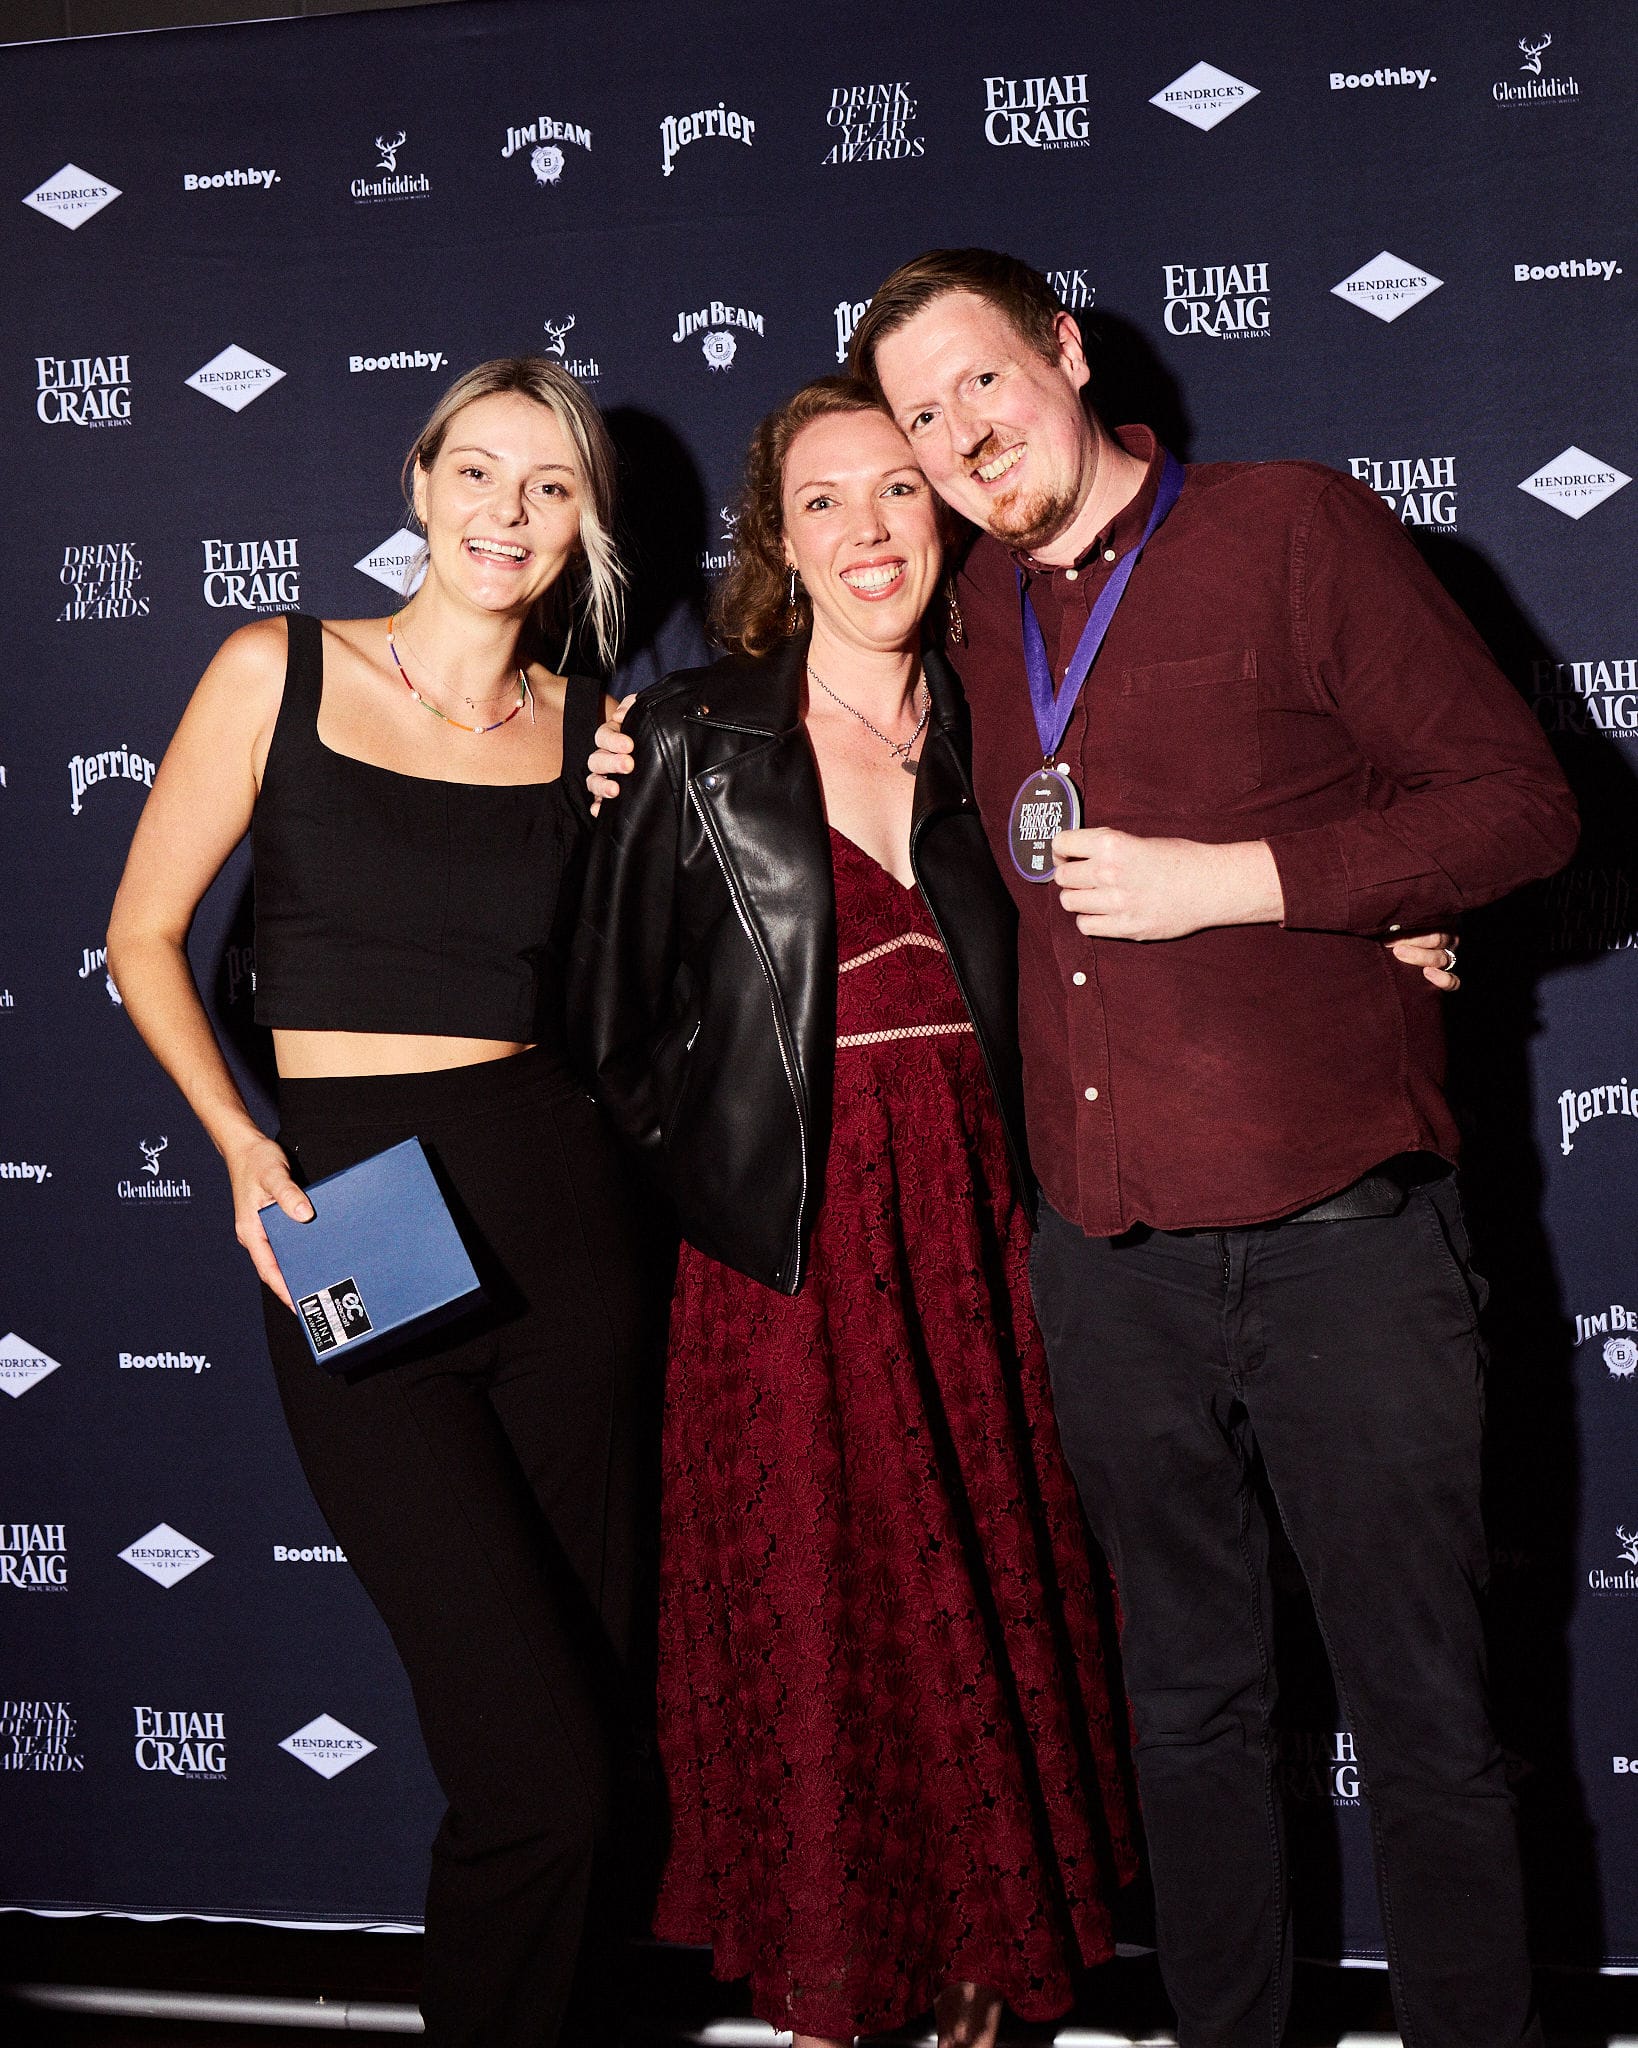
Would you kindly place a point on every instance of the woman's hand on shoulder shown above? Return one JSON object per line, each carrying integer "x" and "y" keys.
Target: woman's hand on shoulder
{"x": 612, "y": 755}
{"x": 260, "y": 1174}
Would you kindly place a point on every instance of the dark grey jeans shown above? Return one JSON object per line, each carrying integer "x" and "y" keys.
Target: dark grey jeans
{"x": 1348, "y": 1355}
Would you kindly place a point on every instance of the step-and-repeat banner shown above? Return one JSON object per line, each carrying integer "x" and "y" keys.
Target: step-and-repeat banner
{"x": 240, "y": 264}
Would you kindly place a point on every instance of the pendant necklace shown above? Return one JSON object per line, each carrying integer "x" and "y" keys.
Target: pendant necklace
{"x": 525, "y": 694}
{"x": 901, "y": 750}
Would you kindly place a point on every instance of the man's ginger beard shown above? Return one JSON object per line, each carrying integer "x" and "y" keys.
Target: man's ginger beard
{"x": 1026, "y": 521}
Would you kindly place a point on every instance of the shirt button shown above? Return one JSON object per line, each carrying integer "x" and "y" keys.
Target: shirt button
{"x": 1393, "y": 927}
{"x": 1079, "y": 979}
{"x": 1091, "y": 1094}
{"x": 1108, "y": 554}
{"x": 1071, "y": 575}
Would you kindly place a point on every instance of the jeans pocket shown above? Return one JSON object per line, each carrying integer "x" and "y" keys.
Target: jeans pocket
{"x": 1440, "y": 1212}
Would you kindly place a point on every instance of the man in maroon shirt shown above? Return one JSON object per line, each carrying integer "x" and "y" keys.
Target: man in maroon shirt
{"x": 1289, "y": 747}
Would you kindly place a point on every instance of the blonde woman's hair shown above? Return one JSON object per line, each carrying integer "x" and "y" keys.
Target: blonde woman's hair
{"x": 593, "y": 586}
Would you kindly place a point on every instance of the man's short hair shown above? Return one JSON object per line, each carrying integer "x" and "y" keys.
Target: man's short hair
{"x": 1011, "y": 286}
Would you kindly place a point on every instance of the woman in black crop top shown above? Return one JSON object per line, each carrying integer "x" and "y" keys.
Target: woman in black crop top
{"x": 416, "y": 850}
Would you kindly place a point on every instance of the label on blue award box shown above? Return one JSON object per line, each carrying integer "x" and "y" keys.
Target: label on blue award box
{"x": 335, "y": 1315}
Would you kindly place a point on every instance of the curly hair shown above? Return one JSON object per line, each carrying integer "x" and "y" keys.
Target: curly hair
{"x": 751, "y": 612}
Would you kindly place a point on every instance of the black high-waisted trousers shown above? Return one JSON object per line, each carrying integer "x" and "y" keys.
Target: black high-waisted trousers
{"x": 484, "y": 1485}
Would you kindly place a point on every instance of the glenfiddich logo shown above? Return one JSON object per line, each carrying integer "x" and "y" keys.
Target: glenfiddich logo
{"x": 586, "y": 368}
{"x": 1622, "y": 1583}
{"x": 392, "y": 183}
{"x": 1530, "y": 84}
{"x": 157, "y": 1187}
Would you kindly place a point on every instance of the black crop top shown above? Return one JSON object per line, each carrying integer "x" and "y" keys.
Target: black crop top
{"x": 388, "y": 902}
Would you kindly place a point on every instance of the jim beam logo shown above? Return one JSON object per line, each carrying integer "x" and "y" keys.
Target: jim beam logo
{"x": 720, "y": 123}
{"x": 112, "y": 764}
{"x": 22, "y": 1365}
{"x": 101, "y": 578}
{"x": 544, "y": 139}
{"x": 327, "y": 1746}
{"x": 389, "y": 180}
{"x": 1221, "y": 301}
{"x": 72, "y": 196}
{"x": 1203, "y": 96}
{"x": 235, "y": 378}
{"x": 252, "y": 575}
{"x": 1420, "y": 490}
{"x": 1621, "y": 1583}
{"x": 1578, "y": 1107}
{"x": 39, "y": 1735}
{"x": 1575, "y": 483}
{"x": 165, "y": 1555}
{"x": 1319, "y": 1765}
{"x": 33, "y": 1557}
{"x": 873, "y": 124}
{"x": 1047, "y": 112}
{"x": 586, "y": 368}
{"x": 400, "y": 562}
{"x": 152, "y": 1184}
{"x": 714, "y": 324}
{"x": 1387, "y": 286}
{"x": 1617, "y": 1327}
{"x": 1530, "y": 83}
{"x": 94, "y": 964}
{"x": 181, "y": 1742}
{"x": 83, "y": 391}
{"x": 1598, "y": 697}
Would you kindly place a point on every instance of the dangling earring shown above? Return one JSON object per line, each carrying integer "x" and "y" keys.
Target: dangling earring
{"x": 957, "y": 624}
{"x": 793, "y": 611}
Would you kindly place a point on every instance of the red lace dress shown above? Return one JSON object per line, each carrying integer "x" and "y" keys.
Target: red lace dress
{"x": 883, "y": 1711}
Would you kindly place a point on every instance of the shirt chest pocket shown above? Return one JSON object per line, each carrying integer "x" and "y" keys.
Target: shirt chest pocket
{"x": 1184, "y": 734}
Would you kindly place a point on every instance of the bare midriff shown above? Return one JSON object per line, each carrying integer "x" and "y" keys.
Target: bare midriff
{"x": 329, "y": 1055}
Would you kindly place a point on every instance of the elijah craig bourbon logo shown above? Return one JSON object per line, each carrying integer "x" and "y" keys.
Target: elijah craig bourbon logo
{"x": 83, "y": 391}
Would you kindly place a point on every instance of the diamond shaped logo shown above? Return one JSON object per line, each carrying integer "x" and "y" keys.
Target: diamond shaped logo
{"x": 21, "y": 1366}
{"x": 165, "y": 1555}
{"x": 1575, "y": 482}
{"x": 72, "y": 196}
{"x": 234, "y": 377}
{"x": 1386, "y": 286}
{"x": 400, "y": 562}
{"x": 327, "y": 1746}
{"x": 1203, "y": 96}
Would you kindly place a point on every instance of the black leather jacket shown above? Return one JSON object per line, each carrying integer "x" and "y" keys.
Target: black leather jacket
{"x": 702, "y": 999}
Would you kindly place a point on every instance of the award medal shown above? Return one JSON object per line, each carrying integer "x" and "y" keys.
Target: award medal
{"x": 1047, "y": 801}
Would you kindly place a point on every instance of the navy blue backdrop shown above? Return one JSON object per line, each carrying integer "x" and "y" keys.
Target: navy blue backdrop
{"x": 241, "y": 263}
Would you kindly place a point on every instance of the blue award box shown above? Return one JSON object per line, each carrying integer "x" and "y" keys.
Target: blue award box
{"x": 380, "y": 1261}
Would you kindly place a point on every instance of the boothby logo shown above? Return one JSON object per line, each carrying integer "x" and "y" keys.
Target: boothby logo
{"x": 165, "y": 1555}
{"x": 194, "y": 1362}
{"x": 1392, "y": 74}
{"x": 1223, "y": 301}
{"x": 1588, "y": 696}
{"x": 1386, "y": 286}
{"x": 101, "y": 579}
{"x": 1039, "y": 113}
{"x": 234, "y": 378}
{"x": 873, "y": 123}
{"x": 1203, "y": 96}
{"x": 24, "y": 1169}
{"x": 72, "y": 196}
{"x": 83, "y": 391}
{"x": 22, "y": 1365}
{"x": 216, "y": 181}
{"x": 544, "y": 137}
{"x": 400, "y": 562}
{"x": 310, "y": 1553}
{"x": 1603, "y": 268}
{"x": 400, "y": 359}
{"x": 34, "y": 1557}
{"x": 252, "y": 575}
{"x": 677, "y": 131}
{"x": 394, "y": 184}
{"x": 1575, "y": 482}
{"x": 114, "y": 764}
{"x": 38, "y": 1735}
{"x": 1579, "y": 1107}
{"x": 327, "y": 1746}
{"x": 1420, "y": 490}
{"x": 717, "y": 344}
{"x": 181, "y": 1741}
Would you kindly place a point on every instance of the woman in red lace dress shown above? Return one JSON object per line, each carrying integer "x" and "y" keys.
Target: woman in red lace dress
{"x": 889, "y": 1741}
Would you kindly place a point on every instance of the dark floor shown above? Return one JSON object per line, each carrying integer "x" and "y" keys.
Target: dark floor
{"x": 673, "y": 1992}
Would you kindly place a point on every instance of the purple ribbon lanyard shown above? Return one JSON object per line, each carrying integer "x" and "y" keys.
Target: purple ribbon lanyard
{"x": 1054, "y": 711}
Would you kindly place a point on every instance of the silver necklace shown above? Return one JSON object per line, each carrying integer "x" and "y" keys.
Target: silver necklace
{"x": 901, "y": 750}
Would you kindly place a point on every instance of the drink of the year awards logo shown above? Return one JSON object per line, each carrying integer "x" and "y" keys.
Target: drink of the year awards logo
{"x": 872, "y": 124}
{"x": 22, "y": 1365}
{"x": 39, "y": 1735}
{"x": 1420, "y": 490}
{"x": 327, "y": 1746}
{"x": 1575, "y": 483}
{"x": 714, "y": 323}
{"x": 111, "y": 764}
{"x": 1222, "y": 301}
{"x": 1046, "y": 804}
{"x": 83, "y": 391}
{"x": 101, "y": 579}
{"x": 252, "y": 575}
{"x": 1598, "y": 696}
{"x": 181, "y": 1742}
{"x": 1387, "y": 286}
{"x": 720, "y": 123}
{"x": 1046, "y": 112}
{"x": 390, "y": 180}
{"x": 1070, "y": 288}
{"x": 72, "y": 196}
{"x": 1592, "y": 905}
{"x": 546, "y": 139}
{"x": 33, "y": 1557}
{"x": 1203, "y": 95}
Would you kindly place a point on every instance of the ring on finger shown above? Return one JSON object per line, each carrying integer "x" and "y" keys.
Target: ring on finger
{"x": 1450, "y": 959}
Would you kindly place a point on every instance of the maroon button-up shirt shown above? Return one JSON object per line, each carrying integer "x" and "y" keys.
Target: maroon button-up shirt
{"x": 1282, "y": 667}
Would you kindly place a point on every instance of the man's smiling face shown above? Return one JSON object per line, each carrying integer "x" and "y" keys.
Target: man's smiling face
{"x": 999, "y": 429}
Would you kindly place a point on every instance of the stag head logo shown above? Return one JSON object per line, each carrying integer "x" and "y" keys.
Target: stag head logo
{"x": 730, "y": 522}
{"x": 389, "y": 150}
{"x": 557, "y": 329}
{"x": 1533, "y": 53}
{"x": 151, "y": 1153}
{"x": 1629, "y": 1544}
{"x": 546, "y": 163}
